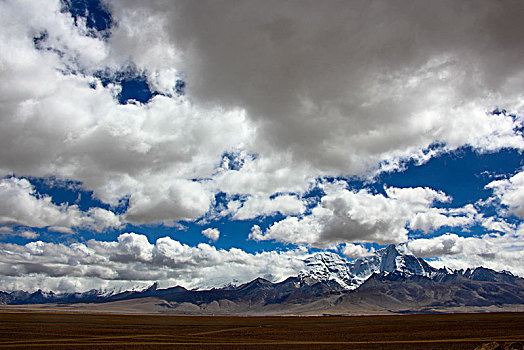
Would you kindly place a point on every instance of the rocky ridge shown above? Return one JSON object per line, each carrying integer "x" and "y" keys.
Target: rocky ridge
{"x": 390, "y": 280}
{"x": 351, "y": 274}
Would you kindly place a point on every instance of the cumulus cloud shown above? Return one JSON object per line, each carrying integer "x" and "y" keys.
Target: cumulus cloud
{"x": 256, "y": 233}
{"x": 100, "y": 220}
{"x": 298, "y": 90}
{"x": 132, "y": 247}
{"x": 179, "y": 200}
{"x": 263, "y": 206}
{"x": 330, "y": 86}
{"x": 434, "y": 218}
{"x": 10, "y": 231}
{"x": 361, "y": 216}
{"x": 449, "y": 244}
{"x": 211, "y": 233}
{"x": 267, "y": 174}
{"x": 354, "y": 251}
{"x": 133, "y": 261}
{"x": 71, "y": 126}
{"x": 28, "y": 234}
{"x": 20, "y": 205}
{"x": 497, "y": 224}
{"x": 305, "y": 87}
{"x": 510, "y": 193}
{"x": 495, "y": 251}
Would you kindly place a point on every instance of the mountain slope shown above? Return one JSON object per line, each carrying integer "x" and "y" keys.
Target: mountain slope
{"x": 421, "y": 294}
{"x": 390, "y": 280}
{"x": 327, "y": 266}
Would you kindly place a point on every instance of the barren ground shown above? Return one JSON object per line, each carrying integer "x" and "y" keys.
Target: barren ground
{"x": 38, "y": 330}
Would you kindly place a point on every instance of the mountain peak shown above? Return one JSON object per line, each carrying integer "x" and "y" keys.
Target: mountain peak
{"x": 256, "y": 283}
{"x": 327, "y": 266}
{"x": 484, "y": 274}
{"x": 326, "y": 257}
{"x": 396, "y": 249}
{"x": 390, "y": 248}
{"x": 152, "y": 288}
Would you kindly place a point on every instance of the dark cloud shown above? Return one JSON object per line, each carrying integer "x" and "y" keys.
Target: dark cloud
{"x": 332, "y": 81}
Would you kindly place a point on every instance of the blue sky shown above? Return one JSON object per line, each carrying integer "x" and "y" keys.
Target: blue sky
{"x": 198, "y": 143}
{"x": 462, "y": 174}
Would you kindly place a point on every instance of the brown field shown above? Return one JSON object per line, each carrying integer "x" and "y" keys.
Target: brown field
{"x": 38, "y": 330}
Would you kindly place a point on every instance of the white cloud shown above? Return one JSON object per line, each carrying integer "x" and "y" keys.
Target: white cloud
{"x": 267, "y": 174}
{"x": 449, "y": 244}
{"x": 361, "y": 216}
{"x": 168, "y": 201}
{"x": 418, "y": 197}
{"x": 133, "y": 261}
{"x": 256, "y": 233}
{"x": 56, "y": 124}
{"x": 354, "y": 251}
{"x": 496, "y": 224}
{"x": 332, "y": 114}
{"x": 495, "y": 251}
{"x": 306, "y": 90}
{"x": 8, "y": 230}
{"x": 28, "y": 234}
{"x": 100, "y": 220}
{"x": 434, "y": 218}
{"x": 132, "y": 247}
{"x": 329, "y": 86}
{"x": 510, "y": 193}
{"x": 211, "y": 233}
{"x": 20, "y": 205}
{"x": 263, "y": 206}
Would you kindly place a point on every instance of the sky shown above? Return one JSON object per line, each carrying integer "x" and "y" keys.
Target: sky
{"x": 201, "y": 143}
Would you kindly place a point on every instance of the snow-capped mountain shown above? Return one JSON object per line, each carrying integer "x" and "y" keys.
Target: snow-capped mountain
{"x": 328, "y": 284}
{"x": 327, "y": 266}
{"x": 391, "y": 279}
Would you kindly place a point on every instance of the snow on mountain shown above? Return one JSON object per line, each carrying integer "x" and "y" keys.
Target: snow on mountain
{"x": 391, "y": 264}
{"x": 326, "y": 266}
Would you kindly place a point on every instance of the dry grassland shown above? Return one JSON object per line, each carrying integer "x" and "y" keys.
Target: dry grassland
{"x": 53, "y": 330}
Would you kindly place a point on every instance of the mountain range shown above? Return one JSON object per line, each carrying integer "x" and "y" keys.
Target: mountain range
{"x": 391, "y": 280}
